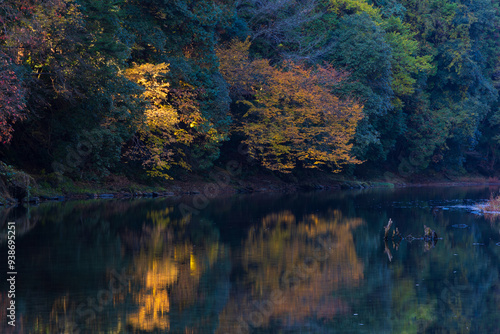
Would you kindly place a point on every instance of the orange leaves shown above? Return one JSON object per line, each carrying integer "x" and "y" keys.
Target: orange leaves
{"x": 293, "y": 118}
{"x": 243, "y": 76}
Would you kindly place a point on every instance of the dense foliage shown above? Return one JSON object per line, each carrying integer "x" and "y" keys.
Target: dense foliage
{"x": 291, "y": 118}
{"x": 401, "y": 85}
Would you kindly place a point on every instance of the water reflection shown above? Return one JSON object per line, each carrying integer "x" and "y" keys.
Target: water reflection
{"x": 170, "y": 273}
{"x": 290, "y": 269}
{"x": 24, "y": 222}
{"x": 314, "y": 263}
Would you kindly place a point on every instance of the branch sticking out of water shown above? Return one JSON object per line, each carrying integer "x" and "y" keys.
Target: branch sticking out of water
{"x": 430, "y": 237}
{"x": 387, "y": 228}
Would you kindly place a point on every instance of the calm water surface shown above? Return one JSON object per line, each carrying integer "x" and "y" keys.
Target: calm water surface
{"x": 301, "y": 263}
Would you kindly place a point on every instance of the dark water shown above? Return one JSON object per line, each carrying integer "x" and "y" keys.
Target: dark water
{"x": 301, "y": 263}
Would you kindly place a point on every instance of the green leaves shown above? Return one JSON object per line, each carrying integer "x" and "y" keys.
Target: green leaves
{"x": 362, "y": 50}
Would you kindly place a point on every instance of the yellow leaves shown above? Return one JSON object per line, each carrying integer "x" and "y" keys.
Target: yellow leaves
{"x": 171, "y": 118}
{"x": 153, "y": 299}
{"x": 156, "y": 91}
{"x": 147, "y": 74}
{"x": 162, "y": 117}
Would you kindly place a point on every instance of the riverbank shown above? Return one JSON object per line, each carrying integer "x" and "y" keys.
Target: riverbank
{"x": 18, "y": 187}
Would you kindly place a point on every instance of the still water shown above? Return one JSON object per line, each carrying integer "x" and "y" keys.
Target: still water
{"x": 301, "y": 263}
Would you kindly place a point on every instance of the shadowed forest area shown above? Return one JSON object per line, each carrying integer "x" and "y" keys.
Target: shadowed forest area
{"x": 156, "y": 90}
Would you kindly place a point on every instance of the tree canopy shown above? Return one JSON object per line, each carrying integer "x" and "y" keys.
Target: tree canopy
{"x": 401, "y": 85}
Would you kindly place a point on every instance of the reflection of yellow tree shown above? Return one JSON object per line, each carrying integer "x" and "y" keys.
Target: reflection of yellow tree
{"x": 157, "y": 268}
{"x": 169, "y": 280}
{"x": 316, "y": 254}
{"x": 169, "y": 273}
{"x": 160, "y": 291}
{"x": 153, "y": 298}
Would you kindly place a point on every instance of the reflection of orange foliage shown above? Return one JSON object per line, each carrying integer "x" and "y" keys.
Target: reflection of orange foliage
{"x": 493, "y": 205}
{"x": 305, "y": 261}
{"x": 491, "y": 210}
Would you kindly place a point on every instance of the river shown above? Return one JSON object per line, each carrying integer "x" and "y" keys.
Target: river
{"x": 310, "y": 262}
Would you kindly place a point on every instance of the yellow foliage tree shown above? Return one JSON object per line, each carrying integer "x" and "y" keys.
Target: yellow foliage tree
{"x": 292, "y": 117}
{"x": 170, "y": 116}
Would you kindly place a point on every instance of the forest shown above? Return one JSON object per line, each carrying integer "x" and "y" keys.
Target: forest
{"x": 154, "y": 89}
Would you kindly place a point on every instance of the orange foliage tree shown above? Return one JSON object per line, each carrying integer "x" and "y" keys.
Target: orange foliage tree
{"x": 292, "y": 117}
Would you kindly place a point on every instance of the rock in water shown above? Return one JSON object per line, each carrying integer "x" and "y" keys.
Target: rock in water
{"x": 427, "y": 232}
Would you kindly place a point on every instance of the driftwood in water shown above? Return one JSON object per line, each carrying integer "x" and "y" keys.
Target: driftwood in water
{"x": 387, "y": 228}
{"x": 388, "y": 252}
{"x": 429, "y": 234}
{"x": 430, "y": 237}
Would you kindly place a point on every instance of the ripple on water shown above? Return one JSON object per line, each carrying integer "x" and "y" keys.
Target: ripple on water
{"x": 440, "y": 205}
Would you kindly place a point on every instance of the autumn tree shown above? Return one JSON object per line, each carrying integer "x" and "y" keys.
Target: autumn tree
{"x": 184, "y": 34}
{"x": 171, "y": 118}
{"x": 71, "y": 52}
{"x": 12, "y": 98}
{"x": 292, "y": 118}
{"x": 12, "y": 86}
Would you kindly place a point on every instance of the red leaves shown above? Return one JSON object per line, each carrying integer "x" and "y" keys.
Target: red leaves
{"x": 12, "y": 95}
